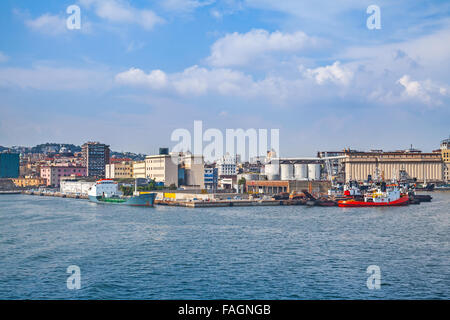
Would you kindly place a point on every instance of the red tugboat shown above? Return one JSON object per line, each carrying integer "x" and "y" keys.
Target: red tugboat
{"x": 380, "y": 197}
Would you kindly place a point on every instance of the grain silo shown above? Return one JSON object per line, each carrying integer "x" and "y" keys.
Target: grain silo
{"x": 272, "y": 171}
{"x": 301, "y": 171}
{"x": 314, "y": 171}
{"x": 287, "y": 171}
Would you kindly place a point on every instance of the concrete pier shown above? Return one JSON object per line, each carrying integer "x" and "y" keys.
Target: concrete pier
{"x": 188, "y": 203}
{"x": 55, "y": 194}
{"x": 229, "y": 203}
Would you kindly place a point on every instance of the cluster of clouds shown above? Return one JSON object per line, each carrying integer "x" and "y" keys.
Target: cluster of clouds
{"x": 378, "y": 77}
{"x": 47, "y": 23}
{"x": 114, "y": 11}
{"x": 122, "y": 12}
{"x": 334, "y": 73}
{"x": 238, "y": 49}
{"x": 423, "y": 90}
{"x": 391, "y": 73}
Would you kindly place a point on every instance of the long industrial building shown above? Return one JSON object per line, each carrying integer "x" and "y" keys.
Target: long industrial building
{"x": 274, "y": 187}
{"x": 425, "y": 167}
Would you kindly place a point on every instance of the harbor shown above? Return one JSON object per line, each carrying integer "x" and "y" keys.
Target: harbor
{"x": 346, "y": 178}
{"x": 291, "y": 252}
{"x": 348, "y": 195}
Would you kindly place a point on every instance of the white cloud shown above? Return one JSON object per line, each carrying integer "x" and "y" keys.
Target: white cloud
{"x": 122, "y": 12}
{"x": 3, "y": 57}
{"x": 156, "y": 79}
{"x": 199, "y": 80}
{"x": 412, "y": 88}
{"x": 426, "y": 91}
{"x": 237, "y": 49}
{"x": 191, "y": 81}
{"x": 333, "y": 73}
{"x": 47, "y": 24}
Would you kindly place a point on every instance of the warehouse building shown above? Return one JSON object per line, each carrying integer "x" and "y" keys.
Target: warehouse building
{"x": 422, "y": 166}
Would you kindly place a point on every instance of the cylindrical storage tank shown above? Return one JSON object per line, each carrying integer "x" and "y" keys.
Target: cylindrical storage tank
{"x": 301, "y": 171}
{"x": 271, "y": 171}
{"x": 314, "y": 171}
{"x": 287, "y": 171}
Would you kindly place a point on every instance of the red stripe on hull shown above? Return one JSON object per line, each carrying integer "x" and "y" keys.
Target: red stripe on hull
{"x": 350, "y": 203}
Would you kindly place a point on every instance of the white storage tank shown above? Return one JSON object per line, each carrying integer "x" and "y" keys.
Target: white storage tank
{"x": 272, "y": 171}
{"x": 287, "y": 171}
{"x": 301, "y": 171}
{"x": 314, "y": 171}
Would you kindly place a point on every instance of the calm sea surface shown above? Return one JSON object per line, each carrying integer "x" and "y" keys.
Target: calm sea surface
{"x": 286, "y": 252}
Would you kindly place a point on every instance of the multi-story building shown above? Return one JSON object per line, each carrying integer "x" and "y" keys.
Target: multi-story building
{"x": 422, "y": 166}
{"x": 211, "y": 178}
{"x": 53, "y": 173}
{"x": 227, "y": 166}
{"x": 95, "y": 158}
{"x": 9, "y": 165}
{"x": 445, "y": 153}
{"x": 161, "y": 168}
{"x": 139, "y": 169}
{"x": 119, "y": 170}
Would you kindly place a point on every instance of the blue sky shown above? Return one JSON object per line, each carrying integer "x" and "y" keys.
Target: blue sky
{"x": 137, "y": 70}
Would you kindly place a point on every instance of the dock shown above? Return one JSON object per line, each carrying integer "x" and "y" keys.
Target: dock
{"x": 54, "y": 194}
{"x": 228, "y": 203}
{"x": 186, "y": 203}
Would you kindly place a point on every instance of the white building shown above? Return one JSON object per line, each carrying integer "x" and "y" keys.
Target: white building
{"x": 227, "y": 166}
{"x": 138, "y": 168}
{"x": 161, "y": 168}
{"x": 75, "y": 186}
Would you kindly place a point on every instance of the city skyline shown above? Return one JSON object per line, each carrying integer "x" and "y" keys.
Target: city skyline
{"x": 138, "y": 70}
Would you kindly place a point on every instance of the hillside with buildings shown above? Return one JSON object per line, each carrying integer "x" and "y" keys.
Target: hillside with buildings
{"x": 59, "y": 165}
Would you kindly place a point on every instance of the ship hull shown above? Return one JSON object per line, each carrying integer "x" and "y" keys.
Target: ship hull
{"x": 143, "y": 200}
{"x": 403, "y": 201}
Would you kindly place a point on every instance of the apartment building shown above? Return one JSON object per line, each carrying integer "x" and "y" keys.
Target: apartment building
{"x": 95, "y": 158}
{"x": 53, "y": 173}
{"x": 119, "y": 170}
{"x": 139, "y": 169}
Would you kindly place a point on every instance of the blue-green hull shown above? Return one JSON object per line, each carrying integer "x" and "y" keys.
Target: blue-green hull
{"x": 143, "y": 200}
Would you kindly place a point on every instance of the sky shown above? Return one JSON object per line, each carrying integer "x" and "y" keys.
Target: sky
{"x": 137, "y": 70}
